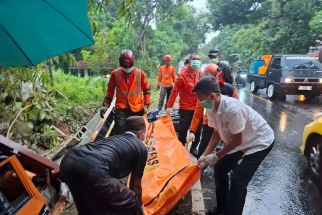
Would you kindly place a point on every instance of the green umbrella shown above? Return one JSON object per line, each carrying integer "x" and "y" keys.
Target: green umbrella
{"x": 32, "y": 31}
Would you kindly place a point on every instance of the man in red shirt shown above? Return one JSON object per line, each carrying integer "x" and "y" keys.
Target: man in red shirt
{"x": 132, "y": 91}
{"x": 183, "y": 86}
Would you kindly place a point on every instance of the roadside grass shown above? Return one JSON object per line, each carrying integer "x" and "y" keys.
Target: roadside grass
{"x": 79, "y": 98}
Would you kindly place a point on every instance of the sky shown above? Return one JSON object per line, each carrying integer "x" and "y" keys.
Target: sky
{"x": 201, "y": 5}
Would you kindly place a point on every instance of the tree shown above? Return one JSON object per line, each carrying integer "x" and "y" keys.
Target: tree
{"x": 182, "y": 19}
{"x": 228, "y": 12}
{"x": 316, "y": 23}
{"x": 156, "y": 28}
{"x": 289, "y": 30}
{"x": 283, "y": 28}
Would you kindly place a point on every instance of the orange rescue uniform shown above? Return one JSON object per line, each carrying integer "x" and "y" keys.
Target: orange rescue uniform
{"x": 166, "y": 76}
{"x": 183, "y": 86}
{"x": 129, "y": 88}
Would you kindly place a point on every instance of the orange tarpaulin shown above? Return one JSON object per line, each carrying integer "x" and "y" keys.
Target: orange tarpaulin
{"x": 169, "y": 173}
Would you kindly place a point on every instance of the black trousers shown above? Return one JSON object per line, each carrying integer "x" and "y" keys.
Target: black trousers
{"x": 120, "y": 116}
{"x": 185, "y": 121}
{"x": 205, "y": 138}
{"x": 231, "y": 199}
{"x": 94, "y": 193}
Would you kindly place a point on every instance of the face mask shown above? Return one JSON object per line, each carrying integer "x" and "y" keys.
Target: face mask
{"x": 196, "y": 64}
{"x": 128, "y": 70}
{"x": 214, "y": 60}
{"x": 207, "y": 105}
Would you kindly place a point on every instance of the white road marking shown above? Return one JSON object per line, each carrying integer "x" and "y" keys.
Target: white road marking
{"x": 198, "y": 205}
{"x": 261, "y": 98}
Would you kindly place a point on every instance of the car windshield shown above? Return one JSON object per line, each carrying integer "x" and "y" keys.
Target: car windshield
{"x": 302, "y": 63}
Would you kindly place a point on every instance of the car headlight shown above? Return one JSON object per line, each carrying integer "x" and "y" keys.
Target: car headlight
{"x": 320, "y": 80}
{"x": 245, "y": 76}
{"x": 288, "y": 80}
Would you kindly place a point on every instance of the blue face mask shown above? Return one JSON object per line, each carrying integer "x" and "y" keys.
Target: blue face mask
{"x": 196, "y": 64}
{"x": 207, "y": 105}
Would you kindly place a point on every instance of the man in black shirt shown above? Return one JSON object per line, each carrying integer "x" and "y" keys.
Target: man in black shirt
{"x": 92, "y": 172}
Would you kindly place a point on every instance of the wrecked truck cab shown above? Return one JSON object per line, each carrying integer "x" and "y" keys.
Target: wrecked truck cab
{"x": 29, "y": 183}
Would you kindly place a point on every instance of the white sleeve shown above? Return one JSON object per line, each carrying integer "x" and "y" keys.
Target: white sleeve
{"x": 236, "y": 122}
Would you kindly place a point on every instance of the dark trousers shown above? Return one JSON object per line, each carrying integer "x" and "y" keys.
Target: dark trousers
{"x": 185, "y": 121}
{"x": 231, "y": 200}
{"x": 205, "y": 138}
{"x": 94, "y": 193}
{"x": 120, "y": 116}
{"x": 164, "y": 93}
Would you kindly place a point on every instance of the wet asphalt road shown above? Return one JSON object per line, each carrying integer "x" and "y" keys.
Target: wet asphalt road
{"x": 282, "y": 184}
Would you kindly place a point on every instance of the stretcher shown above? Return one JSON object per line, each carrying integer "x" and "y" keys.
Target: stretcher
{"x": 30, "y": 184}
{"x": 169, "y": 173}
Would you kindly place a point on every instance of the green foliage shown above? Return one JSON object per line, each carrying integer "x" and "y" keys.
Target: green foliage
{"x": 282, "y": 28}
{"x": 228, "y": 12}
{"x": 30, "y": 106}
{"x": 111, "y": 36}
{"x": 78, "y": 98}
{"x": 177, "y": 31}
{"x": 79, "y": 90}
{"x": 316, "y": 23}
{"x": 26, "y": 105}
{"x": 183, "y": 25}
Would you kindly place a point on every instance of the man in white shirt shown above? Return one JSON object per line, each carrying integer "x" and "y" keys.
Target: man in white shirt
{"x": 247, "y": 137}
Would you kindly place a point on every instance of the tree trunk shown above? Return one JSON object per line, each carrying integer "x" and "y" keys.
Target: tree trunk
{"x": 51, "y": 74}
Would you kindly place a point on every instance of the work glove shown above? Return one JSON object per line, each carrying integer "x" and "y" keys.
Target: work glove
{"x": 190, "y": 137}
{"x": 202, "y": 162}
{"x": 168, "y": 111}
{"x": 142, "y": 208}
{"x": 103, "y": 111}
{"x": 205, "y": 161}
{"x": 146, "y": 108}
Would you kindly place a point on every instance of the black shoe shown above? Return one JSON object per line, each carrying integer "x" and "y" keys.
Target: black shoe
{"x": 214, "y": 211}
{"x": 194, "y": 152}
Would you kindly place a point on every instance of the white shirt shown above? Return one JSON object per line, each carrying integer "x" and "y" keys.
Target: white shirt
{"x": 233, "y": 117}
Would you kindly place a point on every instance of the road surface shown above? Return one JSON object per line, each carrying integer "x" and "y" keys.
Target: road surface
{"x": 282, "y": 184}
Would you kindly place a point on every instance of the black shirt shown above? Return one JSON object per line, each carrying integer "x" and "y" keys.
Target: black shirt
{"x": 117, "y": 156}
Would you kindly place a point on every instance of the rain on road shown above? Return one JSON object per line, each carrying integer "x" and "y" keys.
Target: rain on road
{"x": 282, "y": 184}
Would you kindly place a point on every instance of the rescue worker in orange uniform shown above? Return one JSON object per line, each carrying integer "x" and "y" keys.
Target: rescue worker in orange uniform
{"x": 166, "y": 79}
{"x": 131, "y": 87}
{"x": 226, "y": 89}
{"x": 183, "y": 86}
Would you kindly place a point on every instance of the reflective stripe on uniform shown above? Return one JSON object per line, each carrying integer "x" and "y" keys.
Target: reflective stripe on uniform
{"x": 163, "y": 74}
{"x": 119, "y": 91}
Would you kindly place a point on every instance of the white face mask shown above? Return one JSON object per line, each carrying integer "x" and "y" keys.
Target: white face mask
{"x": 128, "y": 70}
{"x": 214, "y": 60}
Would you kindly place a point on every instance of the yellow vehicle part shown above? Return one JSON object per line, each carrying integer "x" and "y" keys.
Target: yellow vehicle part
{"x": 314, "y": 127}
